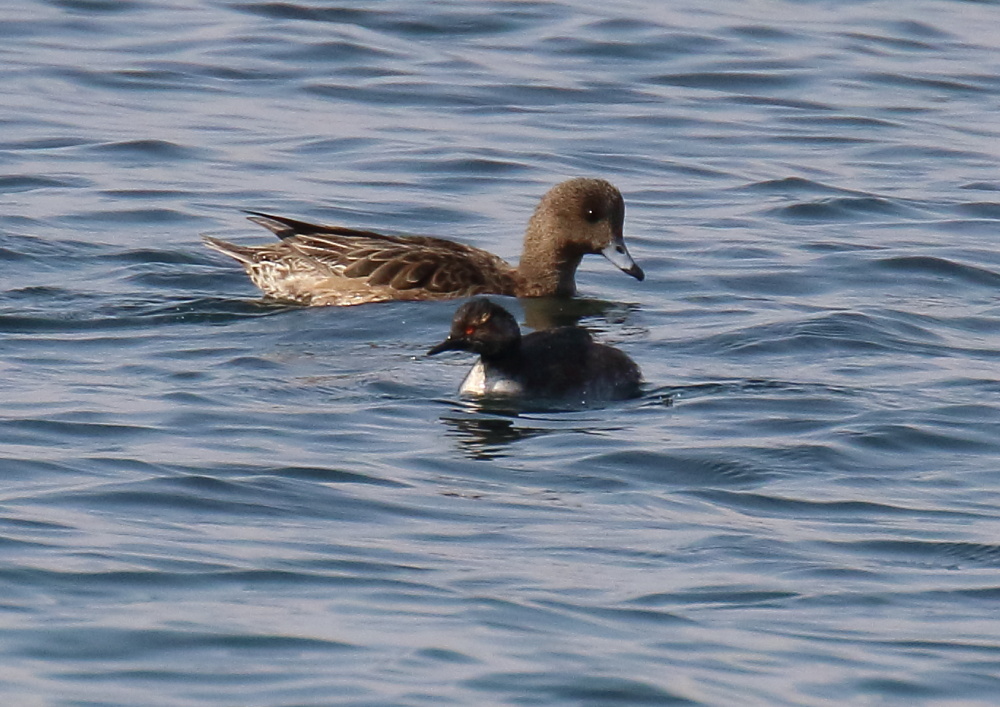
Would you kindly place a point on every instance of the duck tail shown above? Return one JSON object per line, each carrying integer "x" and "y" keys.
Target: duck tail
{"x": 241, "y": 253}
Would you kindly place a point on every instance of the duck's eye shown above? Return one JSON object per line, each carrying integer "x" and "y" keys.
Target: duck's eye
{"x": 592, "y": 215}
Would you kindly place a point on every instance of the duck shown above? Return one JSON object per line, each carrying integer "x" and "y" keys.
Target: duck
{"x": 561, "y": 364}
{"x": 319, "y": 265}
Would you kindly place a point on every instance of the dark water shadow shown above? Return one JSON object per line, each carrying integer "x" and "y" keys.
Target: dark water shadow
{"x": 551, "y": 312}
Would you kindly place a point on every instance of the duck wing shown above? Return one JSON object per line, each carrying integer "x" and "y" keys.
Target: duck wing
{"x": 284, "y": 227}
{"x": 567, "y": 362}
{"x": 558, "y": 359}
{"x": 430, "y": 266}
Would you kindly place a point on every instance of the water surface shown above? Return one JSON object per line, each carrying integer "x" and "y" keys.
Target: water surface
{"x": 213, "y": 500}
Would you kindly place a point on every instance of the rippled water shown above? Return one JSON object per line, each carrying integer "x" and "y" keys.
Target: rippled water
{"x": 211, "y": 500}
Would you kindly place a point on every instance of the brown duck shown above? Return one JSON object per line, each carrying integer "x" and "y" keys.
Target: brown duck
{"x": 332, "y": 265}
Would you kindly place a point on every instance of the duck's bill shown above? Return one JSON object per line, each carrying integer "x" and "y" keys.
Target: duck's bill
{"x": 448, "y": 344}
{"x": 617, "y": 253}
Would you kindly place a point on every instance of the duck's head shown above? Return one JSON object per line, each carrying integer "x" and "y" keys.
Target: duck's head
{"x": 579, "y": 217}
{"x": 482, "y": 327}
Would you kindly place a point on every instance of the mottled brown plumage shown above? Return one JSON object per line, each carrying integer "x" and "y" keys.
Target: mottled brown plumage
{"x": 332, "y": 265}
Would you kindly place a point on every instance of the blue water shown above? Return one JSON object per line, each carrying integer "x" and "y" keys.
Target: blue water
{"x": 212, "y": 500}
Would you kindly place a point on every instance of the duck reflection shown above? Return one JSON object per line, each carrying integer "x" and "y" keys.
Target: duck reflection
{"x": 486, "y": 436}
{"x": 551, "y": 312}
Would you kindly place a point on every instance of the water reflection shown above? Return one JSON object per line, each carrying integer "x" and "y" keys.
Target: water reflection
{"x": 486, "y": 427}
{"x": 487, "y": 436}
{"x": 551, "y": 312}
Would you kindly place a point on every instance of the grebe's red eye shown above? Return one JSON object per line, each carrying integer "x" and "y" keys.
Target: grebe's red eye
{"x": 470, "y": 330}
